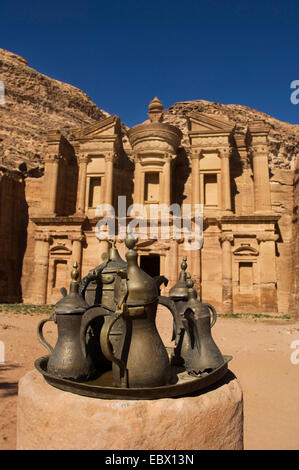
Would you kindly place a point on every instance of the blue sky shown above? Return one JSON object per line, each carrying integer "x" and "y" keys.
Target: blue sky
{"x": 123, "y": 53}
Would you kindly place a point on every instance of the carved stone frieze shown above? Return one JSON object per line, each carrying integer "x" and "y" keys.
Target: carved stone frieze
{"x": 42, "y": 236}
{"x": 267, "y": 237}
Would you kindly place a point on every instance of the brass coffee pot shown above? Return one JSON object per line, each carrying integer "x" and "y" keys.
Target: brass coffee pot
{"x": 176, "y": 303}
{"x": 199, "y": 350}
{"x": 98, "y": 289}
{"x": 140, "y": 359}
{"x": 98, "y": 286}
{"x": 67, "y": 359}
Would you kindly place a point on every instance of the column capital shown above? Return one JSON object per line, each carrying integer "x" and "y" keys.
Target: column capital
{"x": 168, "y": 157}
{"x": 226, "y": 237}
{"x": 259, "y": 150}
{"x": 80, "y": 237}
{"x": 224, "y": 152}
{"x": 42, "y": 236}
{"x": 267, "y": 237}
{"x": 110, "y": 156}
{"x": 83, "y": 158}
{"x": 136, "y": 157}
{"x": 195, "y": 154}
{"x": 51, "y": 158}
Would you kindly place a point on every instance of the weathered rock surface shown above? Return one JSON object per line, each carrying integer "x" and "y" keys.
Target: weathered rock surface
{"x": 35, "y": 103}
{"x": 49, "y": 419}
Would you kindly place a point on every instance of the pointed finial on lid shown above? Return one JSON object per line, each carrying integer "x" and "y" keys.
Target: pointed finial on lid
{"x": 130, "y": 241}
{"x": 184, "y": 264}
{"x": 179, "y": 290}
{"x": 192, "y": 294}
{"x": 75, "y": 272}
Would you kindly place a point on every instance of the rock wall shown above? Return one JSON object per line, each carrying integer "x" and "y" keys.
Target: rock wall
{"x": 13, "y": 235}
{"x": 34, "y": 104}
{"x": 294, "y": 296}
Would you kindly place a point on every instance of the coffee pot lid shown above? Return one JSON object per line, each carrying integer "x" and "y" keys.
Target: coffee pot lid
{"x": 180, "y": 290}
{"x": 142, "y": 288}
{"x": 193, "y": 302}
{"x": 72, "y": 302}
{"x": 114, "y": 262}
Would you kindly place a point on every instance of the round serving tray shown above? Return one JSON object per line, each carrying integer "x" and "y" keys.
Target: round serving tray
{"x": 102, "y": 387}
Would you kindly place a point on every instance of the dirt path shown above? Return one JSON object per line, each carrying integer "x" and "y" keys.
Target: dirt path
{"x": 261, "y": 353}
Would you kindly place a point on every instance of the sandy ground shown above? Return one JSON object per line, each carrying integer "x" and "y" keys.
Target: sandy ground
{"x": 261, "y": 351}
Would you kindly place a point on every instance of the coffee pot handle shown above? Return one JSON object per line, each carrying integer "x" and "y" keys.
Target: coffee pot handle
{"x": 214, "y": 313}
{"x": 108, "y": 351}
{"x": 168, "y": 303}
{"x": 89, "y": 315}
{"x": 40, "y": 333}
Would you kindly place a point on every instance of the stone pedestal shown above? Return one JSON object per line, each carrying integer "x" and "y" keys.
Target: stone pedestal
{"x": 49, "y": 418}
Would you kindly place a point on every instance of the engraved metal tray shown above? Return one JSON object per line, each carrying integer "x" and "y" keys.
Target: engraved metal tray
{"x": 102, "y": 387}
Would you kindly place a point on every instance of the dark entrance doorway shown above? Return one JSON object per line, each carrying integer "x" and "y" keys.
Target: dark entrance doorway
{"x": 150, "y": 264}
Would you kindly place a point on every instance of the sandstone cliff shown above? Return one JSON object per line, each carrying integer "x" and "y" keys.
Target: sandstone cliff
{"x": 34, "y": 104}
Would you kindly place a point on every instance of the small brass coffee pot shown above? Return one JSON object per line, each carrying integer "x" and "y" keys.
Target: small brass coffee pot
{"x": 199, "y": 350}
{"x": 67, "y": 359}
{"x": 176, "y": 303}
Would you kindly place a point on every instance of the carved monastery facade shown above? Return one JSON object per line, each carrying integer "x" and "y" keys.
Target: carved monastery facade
{"x": 236, "y": 269}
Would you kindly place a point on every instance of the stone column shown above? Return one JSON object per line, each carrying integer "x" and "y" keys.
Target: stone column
{"x": 41, "y": 265}
{"x": 195, "y": 179}
{"x": 174, "y": 262}
{"x": 258, "y": 132}
{"x": 137, "y": 175}
{"x": 262, "y": 196}
{"x": 83, "y": 161}
{"x": 226, "y": 240}
{"x": 77, "y": 239}
{"x": 140, "y": 197}
{"x": 225, "y": 180}
{"x": 268, "y": 281}
{"x": 109, "y": 178}
{"x": 167, "y": 180}
{"x": 195, "y": 259}
{"x": 50, "y": 184}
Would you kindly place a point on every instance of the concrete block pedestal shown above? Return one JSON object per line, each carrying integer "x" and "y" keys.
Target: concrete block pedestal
{"x": 52, "y": 419}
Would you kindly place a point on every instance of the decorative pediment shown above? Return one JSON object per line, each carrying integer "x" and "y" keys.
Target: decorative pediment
{"x": 106, "y": 127}
{"x": 145, "y": 243}
{"x": 60, "y": 248}
{"x": 245, "y": 250}
{"x": 209, "y": 124}
{"x": 152, "y": 244}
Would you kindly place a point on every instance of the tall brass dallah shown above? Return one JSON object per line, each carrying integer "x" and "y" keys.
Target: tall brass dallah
{"x": 140, "y": 360}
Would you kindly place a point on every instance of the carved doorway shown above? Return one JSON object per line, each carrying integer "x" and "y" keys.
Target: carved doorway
{"x": 150, "y": 264}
